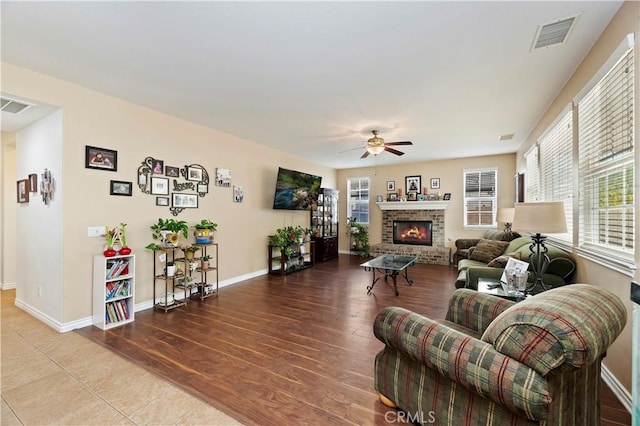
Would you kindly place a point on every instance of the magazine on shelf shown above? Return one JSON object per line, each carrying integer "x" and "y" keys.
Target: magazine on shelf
{"x": 514, "y": 265}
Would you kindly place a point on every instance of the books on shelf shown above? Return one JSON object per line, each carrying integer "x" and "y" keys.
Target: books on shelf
{"x": 117, "y": 267}
{"x": 117, "y": 311}
{"x": 118, "y": 288}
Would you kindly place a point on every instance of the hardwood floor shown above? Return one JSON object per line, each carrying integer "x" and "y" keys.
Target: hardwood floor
{"x": 297, "y": 349}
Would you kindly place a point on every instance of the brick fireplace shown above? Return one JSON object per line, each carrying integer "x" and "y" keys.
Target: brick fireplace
{"x": 432, "y": 211}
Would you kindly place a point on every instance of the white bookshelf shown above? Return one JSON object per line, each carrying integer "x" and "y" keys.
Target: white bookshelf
{"x": 113, "y": 290}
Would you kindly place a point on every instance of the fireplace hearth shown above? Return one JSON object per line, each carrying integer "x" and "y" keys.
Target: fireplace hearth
{"x": 412, "y": 232}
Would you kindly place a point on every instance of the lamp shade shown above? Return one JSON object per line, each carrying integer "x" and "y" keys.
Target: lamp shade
{"x": 506, "y": 215}
{"x": 375, "y": 150}
{"x": 546, "y": 217}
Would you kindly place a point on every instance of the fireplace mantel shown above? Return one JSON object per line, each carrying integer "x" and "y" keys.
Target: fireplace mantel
{"x": 413, "y": 205}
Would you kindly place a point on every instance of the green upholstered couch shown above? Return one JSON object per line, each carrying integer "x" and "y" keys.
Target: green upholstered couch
{"x": 496, "y": 362}
{"x": 464, "y": 244}
{"x": 559, "y": 272}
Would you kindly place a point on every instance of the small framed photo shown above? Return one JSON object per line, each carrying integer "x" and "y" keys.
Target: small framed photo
{"x": 412, "y": 196}
{"x": 432, "y": 197}
{"x": 203, "y": 187}
{"x": 238, "y": 194}
{"x": 171, "y": 171}
{"x": 22, "y": 187}
{"x": 223, "y": 177}
{"x": 194, "y": 173}
{"x": 413, "y": 183}
{"x": 158, "y": 167}
{"x": 435, "y": 183}
{"x": 162, "y": 201}
{"x": 100, "y": 158}
{"x": 447, "y": 196}
{"x": 184, "y": 201}
{"x": 33, "y": 182}
{"x": 391, "y": 185}
{"x": 159, "y": 186}
{"x": 118, "y": 187}
{"x": 392, "y": 197}
{"x": 379, "y": 199}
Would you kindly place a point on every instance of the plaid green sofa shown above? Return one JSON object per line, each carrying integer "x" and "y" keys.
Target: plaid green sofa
{"x": 496, "y": 362}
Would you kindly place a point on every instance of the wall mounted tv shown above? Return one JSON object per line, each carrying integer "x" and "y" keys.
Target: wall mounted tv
{"x": 296, "y": 190}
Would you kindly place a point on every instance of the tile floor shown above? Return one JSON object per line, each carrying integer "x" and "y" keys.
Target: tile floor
{"x": 64, "y": 379}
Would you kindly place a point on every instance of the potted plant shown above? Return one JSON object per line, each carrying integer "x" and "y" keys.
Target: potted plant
{"x": 288, "y": 239}
{"x": 359, "y": 235}
{"x": 204, "y": 231}
{"x": 168, "y": 231}
{"x": 109, "y": 235}
{"x": 124, "y": 250}
{"x": 205, "y": 261}
{"x": 189, "y": 251}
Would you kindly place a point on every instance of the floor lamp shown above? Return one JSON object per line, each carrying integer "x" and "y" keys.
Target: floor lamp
{"x": 535, "y": 218}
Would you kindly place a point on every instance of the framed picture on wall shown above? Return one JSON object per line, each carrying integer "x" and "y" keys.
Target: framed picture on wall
{"x": 159, "y": 186}
{"x": 435, "y": 183}
{"x": 33, "y": 182}
{"x": 413, "y": 183}
{"x": 118, "y": 187}
{"x": 22, "y": 187}
{"x": 162, "y": 201}
{"x": 391, "y": 185}
{"x": 100, "y": 158}
{"x": 184, "y": 201}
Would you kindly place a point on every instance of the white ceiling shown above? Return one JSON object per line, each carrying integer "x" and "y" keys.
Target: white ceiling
{"x": 313, "y": 78}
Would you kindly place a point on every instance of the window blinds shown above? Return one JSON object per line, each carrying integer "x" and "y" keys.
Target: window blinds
{"x": 606, "y": 162}
{"x": 556, "y": 169}
{"x": 533, "y": 175}
{"x": 358, "y": 199}
{"x": 480, "y": 197}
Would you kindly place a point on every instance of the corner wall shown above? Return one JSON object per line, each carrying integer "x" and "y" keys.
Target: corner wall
{"x": 8, "y": 211}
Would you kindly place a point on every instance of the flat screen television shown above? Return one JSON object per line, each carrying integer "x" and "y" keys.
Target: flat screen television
{"x": 296, "y": 190}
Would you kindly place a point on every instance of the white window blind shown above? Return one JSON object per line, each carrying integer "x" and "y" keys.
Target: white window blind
{"x": 480, "y": 197}
{"x": 532, "y": 176}
{"x": 606, "y": 163}
{"x": 358, "y": 199}
{"x": 556, "y": 169}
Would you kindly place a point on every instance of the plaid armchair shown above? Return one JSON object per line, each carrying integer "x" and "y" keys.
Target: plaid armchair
{"x": 496, "y": 362}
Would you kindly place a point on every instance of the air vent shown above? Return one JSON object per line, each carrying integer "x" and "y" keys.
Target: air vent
{"x": 554, "y": 33}
{"x": 12, "y": 106}
{"x": 506, "y": 137}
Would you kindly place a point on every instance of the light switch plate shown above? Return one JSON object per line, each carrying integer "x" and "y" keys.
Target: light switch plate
{"x": 95, "y": 231}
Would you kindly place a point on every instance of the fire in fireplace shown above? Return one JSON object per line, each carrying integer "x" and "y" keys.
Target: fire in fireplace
{"x": 416, "y": 232}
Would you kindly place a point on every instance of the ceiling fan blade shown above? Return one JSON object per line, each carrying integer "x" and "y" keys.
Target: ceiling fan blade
{"x": 399, "y": 143}
{"x": 393, "y": 151}
{"x": 365, "y": 155}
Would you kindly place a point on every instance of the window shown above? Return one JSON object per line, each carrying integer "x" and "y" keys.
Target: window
{"x": 556, "y": 169}
{"x": 606, "y": 164}
{"x": 480, "y": 197}
{"x": 358, "y": 199}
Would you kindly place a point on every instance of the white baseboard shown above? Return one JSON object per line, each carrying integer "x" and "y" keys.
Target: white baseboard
{"x": 616, "y": 387}
{"x": 7, "y": 286}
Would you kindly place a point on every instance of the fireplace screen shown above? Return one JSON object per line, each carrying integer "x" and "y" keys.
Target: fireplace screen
{"x": 416, "y": 232}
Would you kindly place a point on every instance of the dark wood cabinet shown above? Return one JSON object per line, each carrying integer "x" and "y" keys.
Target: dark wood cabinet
{"x": 324, "y": 225}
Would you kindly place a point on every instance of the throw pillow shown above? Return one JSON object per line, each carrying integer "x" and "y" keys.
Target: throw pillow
{"x": 487, "y": 250}
{"x": 501, "y": 261}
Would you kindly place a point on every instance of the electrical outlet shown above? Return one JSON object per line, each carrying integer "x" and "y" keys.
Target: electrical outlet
{"x": 95, "y": 231}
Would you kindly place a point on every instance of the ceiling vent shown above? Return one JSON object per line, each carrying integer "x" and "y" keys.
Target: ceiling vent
{"x": 12, "y": 106}
{"x": 554, "y": 33}
{"x": 506, "y": 137}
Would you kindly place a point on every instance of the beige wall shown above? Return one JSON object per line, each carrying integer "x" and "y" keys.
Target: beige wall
{"x": 91, "y": 118}
{"x": 626, "y": 21}
{"x": 8, "y": 211}
{"x": 450, "y": 173}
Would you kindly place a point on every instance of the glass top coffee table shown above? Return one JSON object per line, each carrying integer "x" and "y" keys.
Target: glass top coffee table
{"x": 498, "y": 288}
{"x": 389, "y": 265}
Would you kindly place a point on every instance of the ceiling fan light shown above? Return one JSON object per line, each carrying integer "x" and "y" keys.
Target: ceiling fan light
{"x": 375, "y": 150}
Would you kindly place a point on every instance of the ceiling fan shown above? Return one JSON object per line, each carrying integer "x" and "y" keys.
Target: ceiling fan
{"x": 376, "y": 145}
